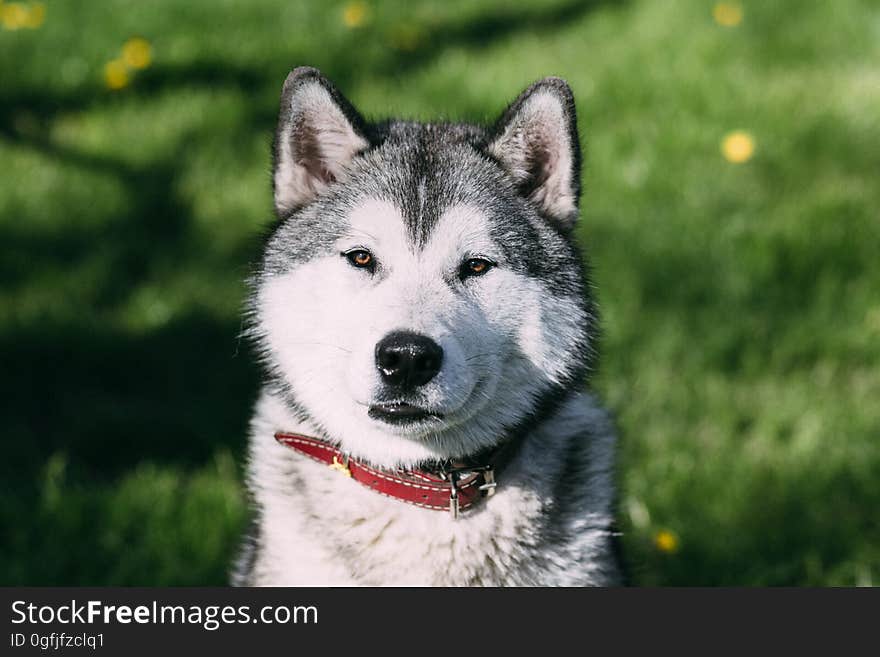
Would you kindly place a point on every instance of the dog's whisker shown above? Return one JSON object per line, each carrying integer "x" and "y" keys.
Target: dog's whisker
{"x": 486, "y": 355}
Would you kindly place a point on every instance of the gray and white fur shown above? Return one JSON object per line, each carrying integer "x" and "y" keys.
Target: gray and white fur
{"x": 425, "y": 201}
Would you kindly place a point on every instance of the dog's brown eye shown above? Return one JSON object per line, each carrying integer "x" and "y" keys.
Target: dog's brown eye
{"x": 475, "y": 267}
{"x": 360, "y": 258}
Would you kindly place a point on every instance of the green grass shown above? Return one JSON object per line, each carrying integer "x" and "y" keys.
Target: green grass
{"x": 741, "y": 302}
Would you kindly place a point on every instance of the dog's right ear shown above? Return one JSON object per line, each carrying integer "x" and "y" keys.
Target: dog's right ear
{"x": 319, "y": 132}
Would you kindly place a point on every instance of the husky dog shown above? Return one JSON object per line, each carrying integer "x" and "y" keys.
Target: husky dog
{"x": 424, "y": 319}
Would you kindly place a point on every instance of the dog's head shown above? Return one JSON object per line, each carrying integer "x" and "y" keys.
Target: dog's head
{"x": 421, "y": 296}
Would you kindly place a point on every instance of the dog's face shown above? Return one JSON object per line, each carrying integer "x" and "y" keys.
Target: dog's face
{"x": 420, "y": 296}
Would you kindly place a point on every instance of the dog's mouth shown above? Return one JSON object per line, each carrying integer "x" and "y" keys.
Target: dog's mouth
{"x": 402, "y": 413}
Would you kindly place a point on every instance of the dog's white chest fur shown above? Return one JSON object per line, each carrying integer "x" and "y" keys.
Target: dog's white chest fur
{"x": 549, "y": 522}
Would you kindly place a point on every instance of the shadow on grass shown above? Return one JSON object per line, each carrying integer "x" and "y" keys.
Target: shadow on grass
{"x": 112, "y": 400}
{"x": 113, "y": 433}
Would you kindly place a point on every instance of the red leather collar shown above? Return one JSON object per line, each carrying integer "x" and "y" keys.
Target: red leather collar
{"x": 454, "y": 489}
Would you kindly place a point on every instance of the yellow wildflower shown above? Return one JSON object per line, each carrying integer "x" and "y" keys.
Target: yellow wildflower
{"x": 728, "y": 14}
{"x": 116, "y": 74}
{"x": 354, "y": 14}
{"x": 738, "y": 147}
{"x": 666, "y": 541}
{"x": 137, "y": 53}
{"x": 13, "y": 15}
{"x": 36, "y": 15}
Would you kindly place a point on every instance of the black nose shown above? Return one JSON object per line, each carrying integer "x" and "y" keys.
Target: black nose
{"x": 408, "y": 360}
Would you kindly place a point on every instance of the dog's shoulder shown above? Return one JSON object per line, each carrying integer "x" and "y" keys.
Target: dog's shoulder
{"x": 579, "y": 533}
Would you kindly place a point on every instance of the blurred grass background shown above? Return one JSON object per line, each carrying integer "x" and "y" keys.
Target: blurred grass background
{"x": 740, "y": 288}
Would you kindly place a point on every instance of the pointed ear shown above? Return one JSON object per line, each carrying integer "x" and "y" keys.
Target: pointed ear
{"x": 319, "y": 132}
{"x": 536, "y": 141}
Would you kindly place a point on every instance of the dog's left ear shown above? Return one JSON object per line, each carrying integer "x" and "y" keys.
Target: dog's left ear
{"x": 536, "y": 142}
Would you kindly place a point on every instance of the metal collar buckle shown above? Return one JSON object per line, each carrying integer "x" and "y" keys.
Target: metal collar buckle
{"x": 489, "y": 484}
{"x": 487, "y": 487}
{"x": 453, "y": 494}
